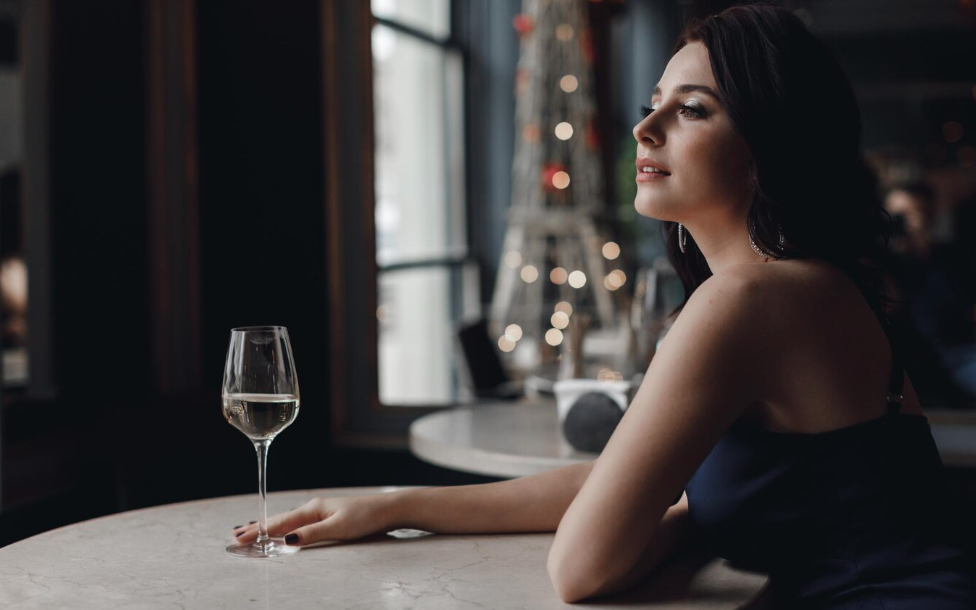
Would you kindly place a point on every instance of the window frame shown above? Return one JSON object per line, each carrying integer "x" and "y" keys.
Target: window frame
{"x": 358, "y": 417}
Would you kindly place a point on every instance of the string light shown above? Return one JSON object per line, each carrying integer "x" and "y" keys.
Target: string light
{"x": 577, "y": 279}
{"x": 513, "y": 332}
{"x": 505, "y": 344}
{"x": 564, "y": 32}
{"x": 564, "y": 131}
{"x": 564, "y": 307}
{"x": 617, "y": 277}
{"x": 513, "y": 259}
{"x": 560, "y": 180}
{"x": 611, "y": 250}
{"x": 529, "y": 274}
{"x": 568, "y": 83}
{"x": 558, "y": 276}
{"x": 559, "y": 320}
{"x": 554, "y": 336}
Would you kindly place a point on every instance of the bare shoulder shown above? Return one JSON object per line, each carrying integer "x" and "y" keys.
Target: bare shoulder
{"x": 832, "y": 357}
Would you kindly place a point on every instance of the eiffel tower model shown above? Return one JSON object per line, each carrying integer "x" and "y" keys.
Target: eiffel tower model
{"x": 555, "y": 262}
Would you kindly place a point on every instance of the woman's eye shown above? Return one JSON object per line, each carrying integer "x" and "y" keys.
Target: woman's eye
{"x": 689, "y": 109}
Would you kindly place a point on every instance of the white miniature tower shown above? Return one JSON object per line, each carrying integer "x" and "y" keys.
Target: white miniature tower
{"x": 554, "y": 260}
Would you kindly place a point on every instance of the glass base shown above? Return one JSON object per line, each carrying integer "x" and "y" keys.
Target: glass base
{"x": 275, "y": 547}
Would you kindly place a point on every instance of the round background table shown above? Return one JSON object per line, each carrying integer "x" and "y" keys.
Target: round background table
{"x": 173, "y": 557}
{"x": 505, "y": 439}
{"x": 513, "y": 439}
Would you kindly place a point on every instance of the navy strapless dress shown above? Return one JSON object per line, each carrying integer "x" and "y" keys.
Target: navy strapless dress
{"x": 862, "y": 517}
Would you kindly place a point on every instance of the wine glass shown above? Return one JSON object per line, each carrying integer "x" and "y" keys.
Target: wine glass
{"x": 260, "y": 398}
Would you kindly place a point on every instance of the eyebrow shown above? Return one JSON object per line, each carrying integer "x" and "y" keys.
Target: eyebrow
{"x": 688, "y": 88}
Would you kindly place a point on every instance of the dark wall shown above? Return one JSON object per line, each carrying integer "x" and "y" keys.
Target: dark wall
{"x": 97, "y": 199}
{"x": 261, "y": 198}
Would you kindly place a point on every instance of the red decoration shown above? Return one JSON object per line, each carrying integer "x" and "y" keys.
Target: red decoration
{"x": 523, "y": 25}
{"x": 592, "y": 135}
{"x": 549, "y": 171}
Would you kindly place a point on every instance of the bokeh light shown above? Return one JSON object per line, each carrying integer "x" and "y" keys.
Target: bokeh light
{"x": 617, "y": 277}
{"x": 554, "y": 336}
{"x": 611, "y": 250}
{"x": 513, "y": 332}
{"x": 560, "y": 180}
{"x": 569, "y": 83}
{"x": 577, "y": 279}
{"x": 505, "y": 344}
{"x": 513, "y": 259}
{"x": 559, "y": 320}
{"x": 529, "y": 274}
{"x": 558, "y": 276}
{"x": 564, "y": 131}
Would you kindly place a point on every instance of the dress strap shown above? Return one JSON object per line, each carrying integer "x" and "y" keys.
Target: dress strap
{"x": 897, "y": 372}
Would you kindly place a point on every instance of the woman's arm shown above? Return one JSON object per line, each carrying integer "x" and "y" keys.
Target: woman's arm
{"x": 533, "y": 503}
{"x": 528, "y": 504}
{"x": 675, "y": 533}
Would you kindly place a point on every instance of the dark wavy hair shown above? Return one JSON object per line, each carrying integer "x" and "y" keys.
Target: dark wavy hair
{"x": 788, "y": 97}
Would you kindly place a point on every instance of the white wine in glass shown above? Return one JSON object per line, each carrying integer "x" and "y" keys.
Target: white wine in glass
{"x": 260, "y": 398}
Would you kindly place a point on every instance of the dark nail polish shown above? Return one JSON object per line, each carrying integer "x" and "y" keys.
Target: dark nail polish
{"x": 238, "y": 534}
{"x": 291, "y": 538}
{"x": 252, "y": 522}
{"x": 237, "y": 527}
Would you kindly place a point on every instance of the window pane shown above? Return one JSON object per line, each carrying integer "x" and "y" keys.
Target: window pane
{"x": 417, "y": 92}
{"x": 416, "y": 351}
{"x": 430, "y": 16}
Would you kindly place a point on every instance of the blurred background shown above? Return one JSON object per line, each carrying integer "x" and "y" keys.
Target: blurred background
{"x": 362, "y": 173}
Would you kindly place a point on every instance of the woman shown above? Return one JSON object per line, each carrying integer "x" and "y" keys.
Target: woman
{"x": 766, "y": 404}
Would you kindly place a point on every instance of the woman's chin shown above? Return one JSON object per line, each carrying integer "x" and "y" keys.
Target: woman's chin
{"x": 651, "y": 209}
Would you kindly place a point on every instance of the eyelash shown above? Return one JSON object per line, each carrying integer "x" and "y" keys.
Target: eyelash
{"x": 644, "y": 110}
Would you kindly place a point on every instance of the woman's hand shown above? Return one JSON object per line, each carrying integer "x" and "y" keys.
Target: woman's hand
{"x": 338, "y": 518}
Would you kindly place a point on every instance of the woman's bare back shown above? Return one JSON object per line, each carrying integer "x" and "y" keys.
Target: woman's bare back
{"x": 832, "y": 366}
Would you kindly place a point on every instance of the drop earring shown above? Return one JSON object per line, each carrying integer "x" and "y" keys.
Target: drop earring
{"x": 682, "y": 238}
{"x": 755, "y": 248}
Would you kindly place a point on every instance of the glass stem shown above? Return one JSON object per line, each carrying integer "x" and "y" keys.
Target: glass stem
{"x": 262, "y": 449}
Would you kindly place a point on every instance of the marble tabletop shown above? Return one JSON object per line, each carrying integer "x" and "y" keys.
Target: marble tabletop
{"x": 173, "y": 557}
{"x": 513, "y": 439}
{"x": 505, "y": 439}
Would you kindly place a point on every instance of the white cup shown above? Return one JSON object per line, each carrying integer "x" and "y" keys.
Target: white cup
{"x": 568, "y": 392}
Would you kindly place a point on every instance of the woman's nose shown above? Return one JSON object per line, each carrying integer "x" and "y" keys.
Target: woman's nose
{"x": 647, "y": 132}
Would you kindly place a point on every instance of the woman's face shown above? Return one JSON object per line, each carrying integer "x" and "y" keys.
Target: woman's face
{"x": 689, "y": 136}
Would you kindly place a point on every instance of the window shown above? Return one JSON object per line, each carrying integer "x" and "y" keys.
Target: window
{"x": 424, "y": 275}
{"x": 401, "y": 272}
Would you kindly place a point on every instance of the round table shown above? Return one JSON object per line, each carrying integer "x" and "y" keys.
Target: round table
{"x": 173, "y": 556}
{"x": 513, "y": 439}
{"x": 505, "y": 439}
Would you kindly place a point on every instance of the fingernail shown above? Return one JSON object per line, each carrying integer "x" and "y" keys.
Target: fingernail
{"x": 238, "y": 534}
{"x": 291, "y": 538}
{"x": 237, "y": 527}
{"x": 252, "y": 522}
